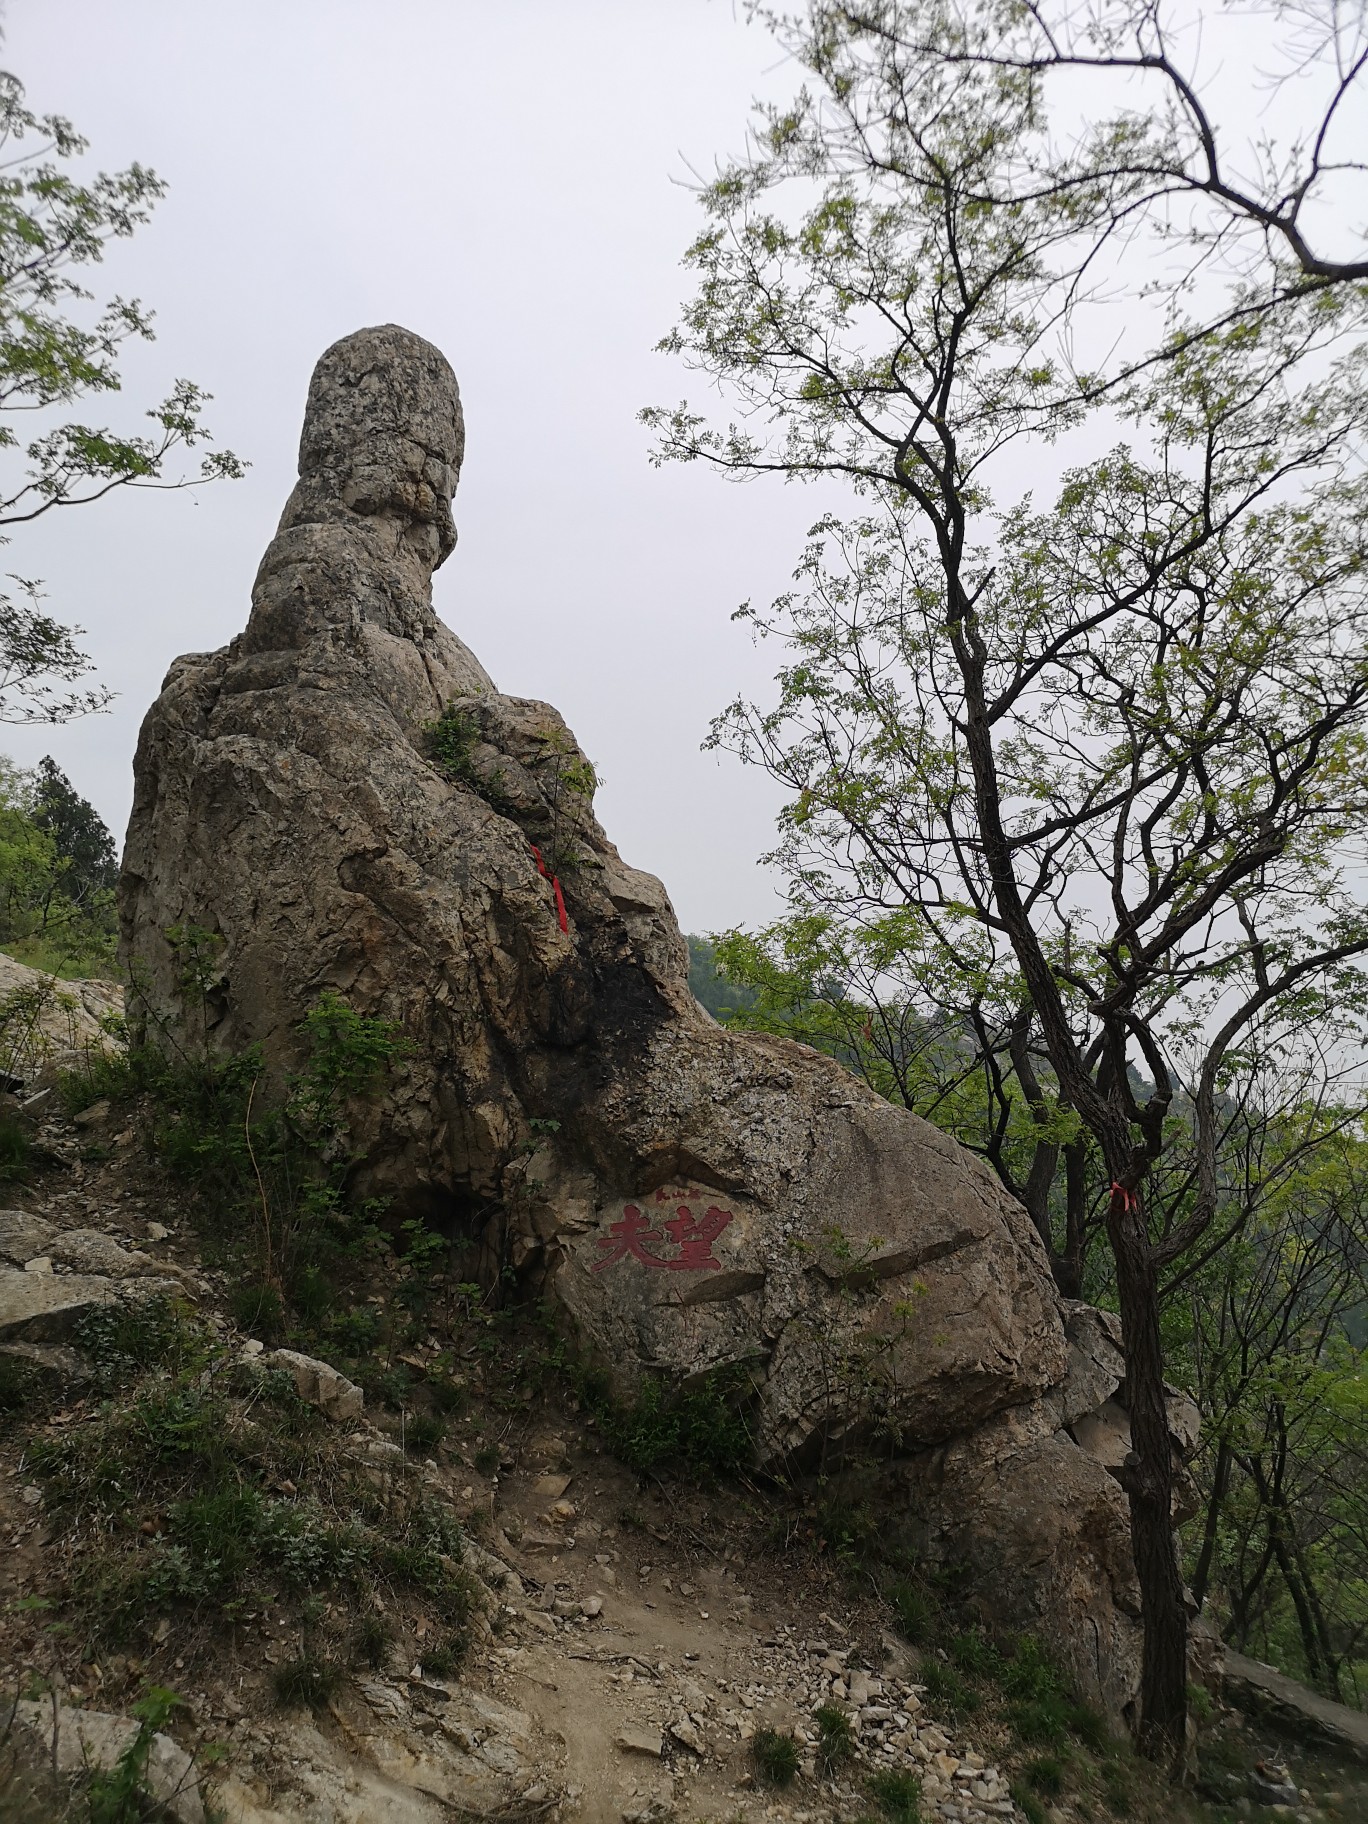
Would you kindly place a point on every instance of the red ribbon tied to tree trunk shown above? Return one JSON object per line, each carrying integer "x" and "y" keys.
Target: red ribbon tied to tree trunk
{"x": 561, "y": 919}
{"x": 1129, "y": 1200}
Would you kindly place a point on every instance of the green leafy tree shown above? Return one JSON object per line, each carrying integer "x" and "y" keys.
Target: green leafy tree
{"x": 82, "y": 841}
{"x": 1097, "y": 765}
{"x": 57, "y": 873}
{"x": 60, "y": 344}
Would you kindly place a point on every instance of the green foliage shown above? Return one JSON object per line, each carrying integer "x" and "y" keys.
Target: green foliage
{"x": 898, "y": 1796}
{"x": 698, "y": 1427}
{"x": 306, "y": 1680}
{"x": 450, "y": 740}
{"x": 948, "y": 1691}
{"x": 1045, "y": 1774}
{"x": 208, "y": 1452}
{"x": 272, "y": 1168}
{"x": 444, "y": 1658}
{"x": 1028, "y": 1803}
{"x": 1075, "y": 785}
{"x": 917, "y": 1613}
{"x": 121, "y": 1795}
{"x": 776, "y": 1757}
{"x": 974, "y": 1653}
{"x": 17, "y": 1382}
{"x": 372, "y": 1639}
{"x": 1116, "y": 1788}
{"x": 711, "y": 986}
{"x": 53, "y": 352}
{"x": 124, "y": 1338}
{"x": 57, "y": 873}
{"x": 835, "y": 1737}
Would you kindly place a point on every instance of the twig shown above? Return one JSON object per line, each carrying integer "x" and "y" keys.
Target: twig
{"x": 261, "y": 1185}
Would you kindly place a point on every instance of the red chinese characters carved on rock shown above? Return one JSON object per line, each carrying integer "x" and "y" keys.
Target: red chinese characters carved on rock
{"x": 692, "y": 1235}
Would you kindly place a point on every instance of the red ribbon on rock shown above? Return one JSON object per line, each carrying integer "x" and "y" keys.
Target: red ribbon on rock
{"x": 561, "y": 919}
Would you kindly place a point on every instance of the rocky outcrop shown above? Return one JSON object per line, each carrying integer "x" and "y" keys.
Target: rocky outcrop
{"x": 345, "y": 801}
{"x": 48, "y": 1024}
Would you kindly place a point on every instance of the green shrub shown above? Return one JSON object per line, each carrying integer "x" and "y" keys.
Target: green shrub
{"x": 1028, "y": 1804}
{"x": 372, "y": 1638}
{"x": 1045, "y": 1774}
{"x": 126, "y": 1337}
{"x": 775, "y": 1755}
{"x": 916, "y": 1612}
{"x": 1116, "y": 1789}
{"x": 445, "y": 1658}
{"x": 258, "y": 1309}
{"x": 1042, "y": 1722}
{"x": 898, "y": 1796}
{"x": 120, "y": 1795}
{"x": 1026, "y": 1672}
{"x": 835, "y": 1737}
{"x": 698, "y": 1427}
{"x": 948, "y": 1691}
{"x": 307, "y": 1679}
{"x": 18, "y": 1380}
{"x": 974, "y": 1653}
{"x": 424, "y": 1431}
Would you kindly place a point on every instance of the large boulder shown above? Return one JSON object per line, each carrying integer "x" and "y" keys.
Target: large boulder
{"x": 345, "y": 801}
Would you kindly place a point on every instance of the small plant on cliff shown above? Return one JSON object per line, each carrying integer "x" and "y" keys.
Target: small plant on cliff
{"x": 898, "y": 1796}
{"x": 835, "y": 1737}
{"x": 776, "y": 1756}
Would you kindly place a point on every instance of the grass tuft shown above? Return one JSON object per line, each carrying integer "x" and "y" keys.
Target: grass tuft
{"x": 305, "y": 1680}
{"x": 1046, "y": 1774}
{"x": 898, "y": 1796}
{"x": 835, "y": 1737}
{"x": 775, "y": 1755}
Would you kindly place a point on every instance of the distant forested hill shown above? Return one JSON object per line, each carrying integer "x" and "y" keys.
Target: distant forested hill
{"x": 717, "y": 995}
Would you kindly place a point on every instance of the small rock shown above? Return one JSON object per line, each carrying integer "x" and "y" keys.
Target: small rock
{"x": 92, "y": 1251}
{"x": 22, "y": 1236}
{"x": 684, "y": 1731}
{"x": 593, "y": 1606}
{"x": 41, "y": 1263}
{"x": 94, "y": 1738}
{"x": 635, "y": 1740}
{"x": 158, "y": 1231}
{"x": 551, "y": 1487}
{"x": 252, "y": 1347}
{"x": 94, "y": 1116}
{"x": 319, "y": 1385}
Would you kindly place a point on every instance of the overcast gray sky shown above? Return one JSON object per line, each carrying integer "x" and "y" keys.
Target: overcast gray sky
{"x": 508, "y": 180}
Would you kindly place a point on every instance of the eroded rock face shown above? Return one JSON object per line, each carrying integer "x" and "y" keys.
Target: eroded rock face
{"x": 695, "y": 1199}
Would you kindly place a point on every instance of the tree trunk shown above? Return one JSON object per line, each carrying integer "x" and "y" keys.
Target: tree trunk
{"x": 1220, "y": 1482}
{"x": 1148, "y": 1482}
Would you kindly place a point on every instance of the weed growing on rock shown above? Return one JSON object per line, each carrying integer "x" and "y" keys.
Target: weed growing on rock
{"x": 948, "y": 1691}
{"x": 835, "y": 1737}
{"x": 916, "y": 1613}
{"x": 216, "y": 1492}
{"x": 776, "y": 1756}
{"x": 126, "y": 1337}
{"x": 1028, "y": 1804}
{"x": 898, "y": 1796}
{"x": 372, "y": 1638}
{"x": 447, "y": 1656}
{"x": 1045, "y": 1774}
{"x": 305, "y": 1680}
{"x": 120, "y": 1795}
